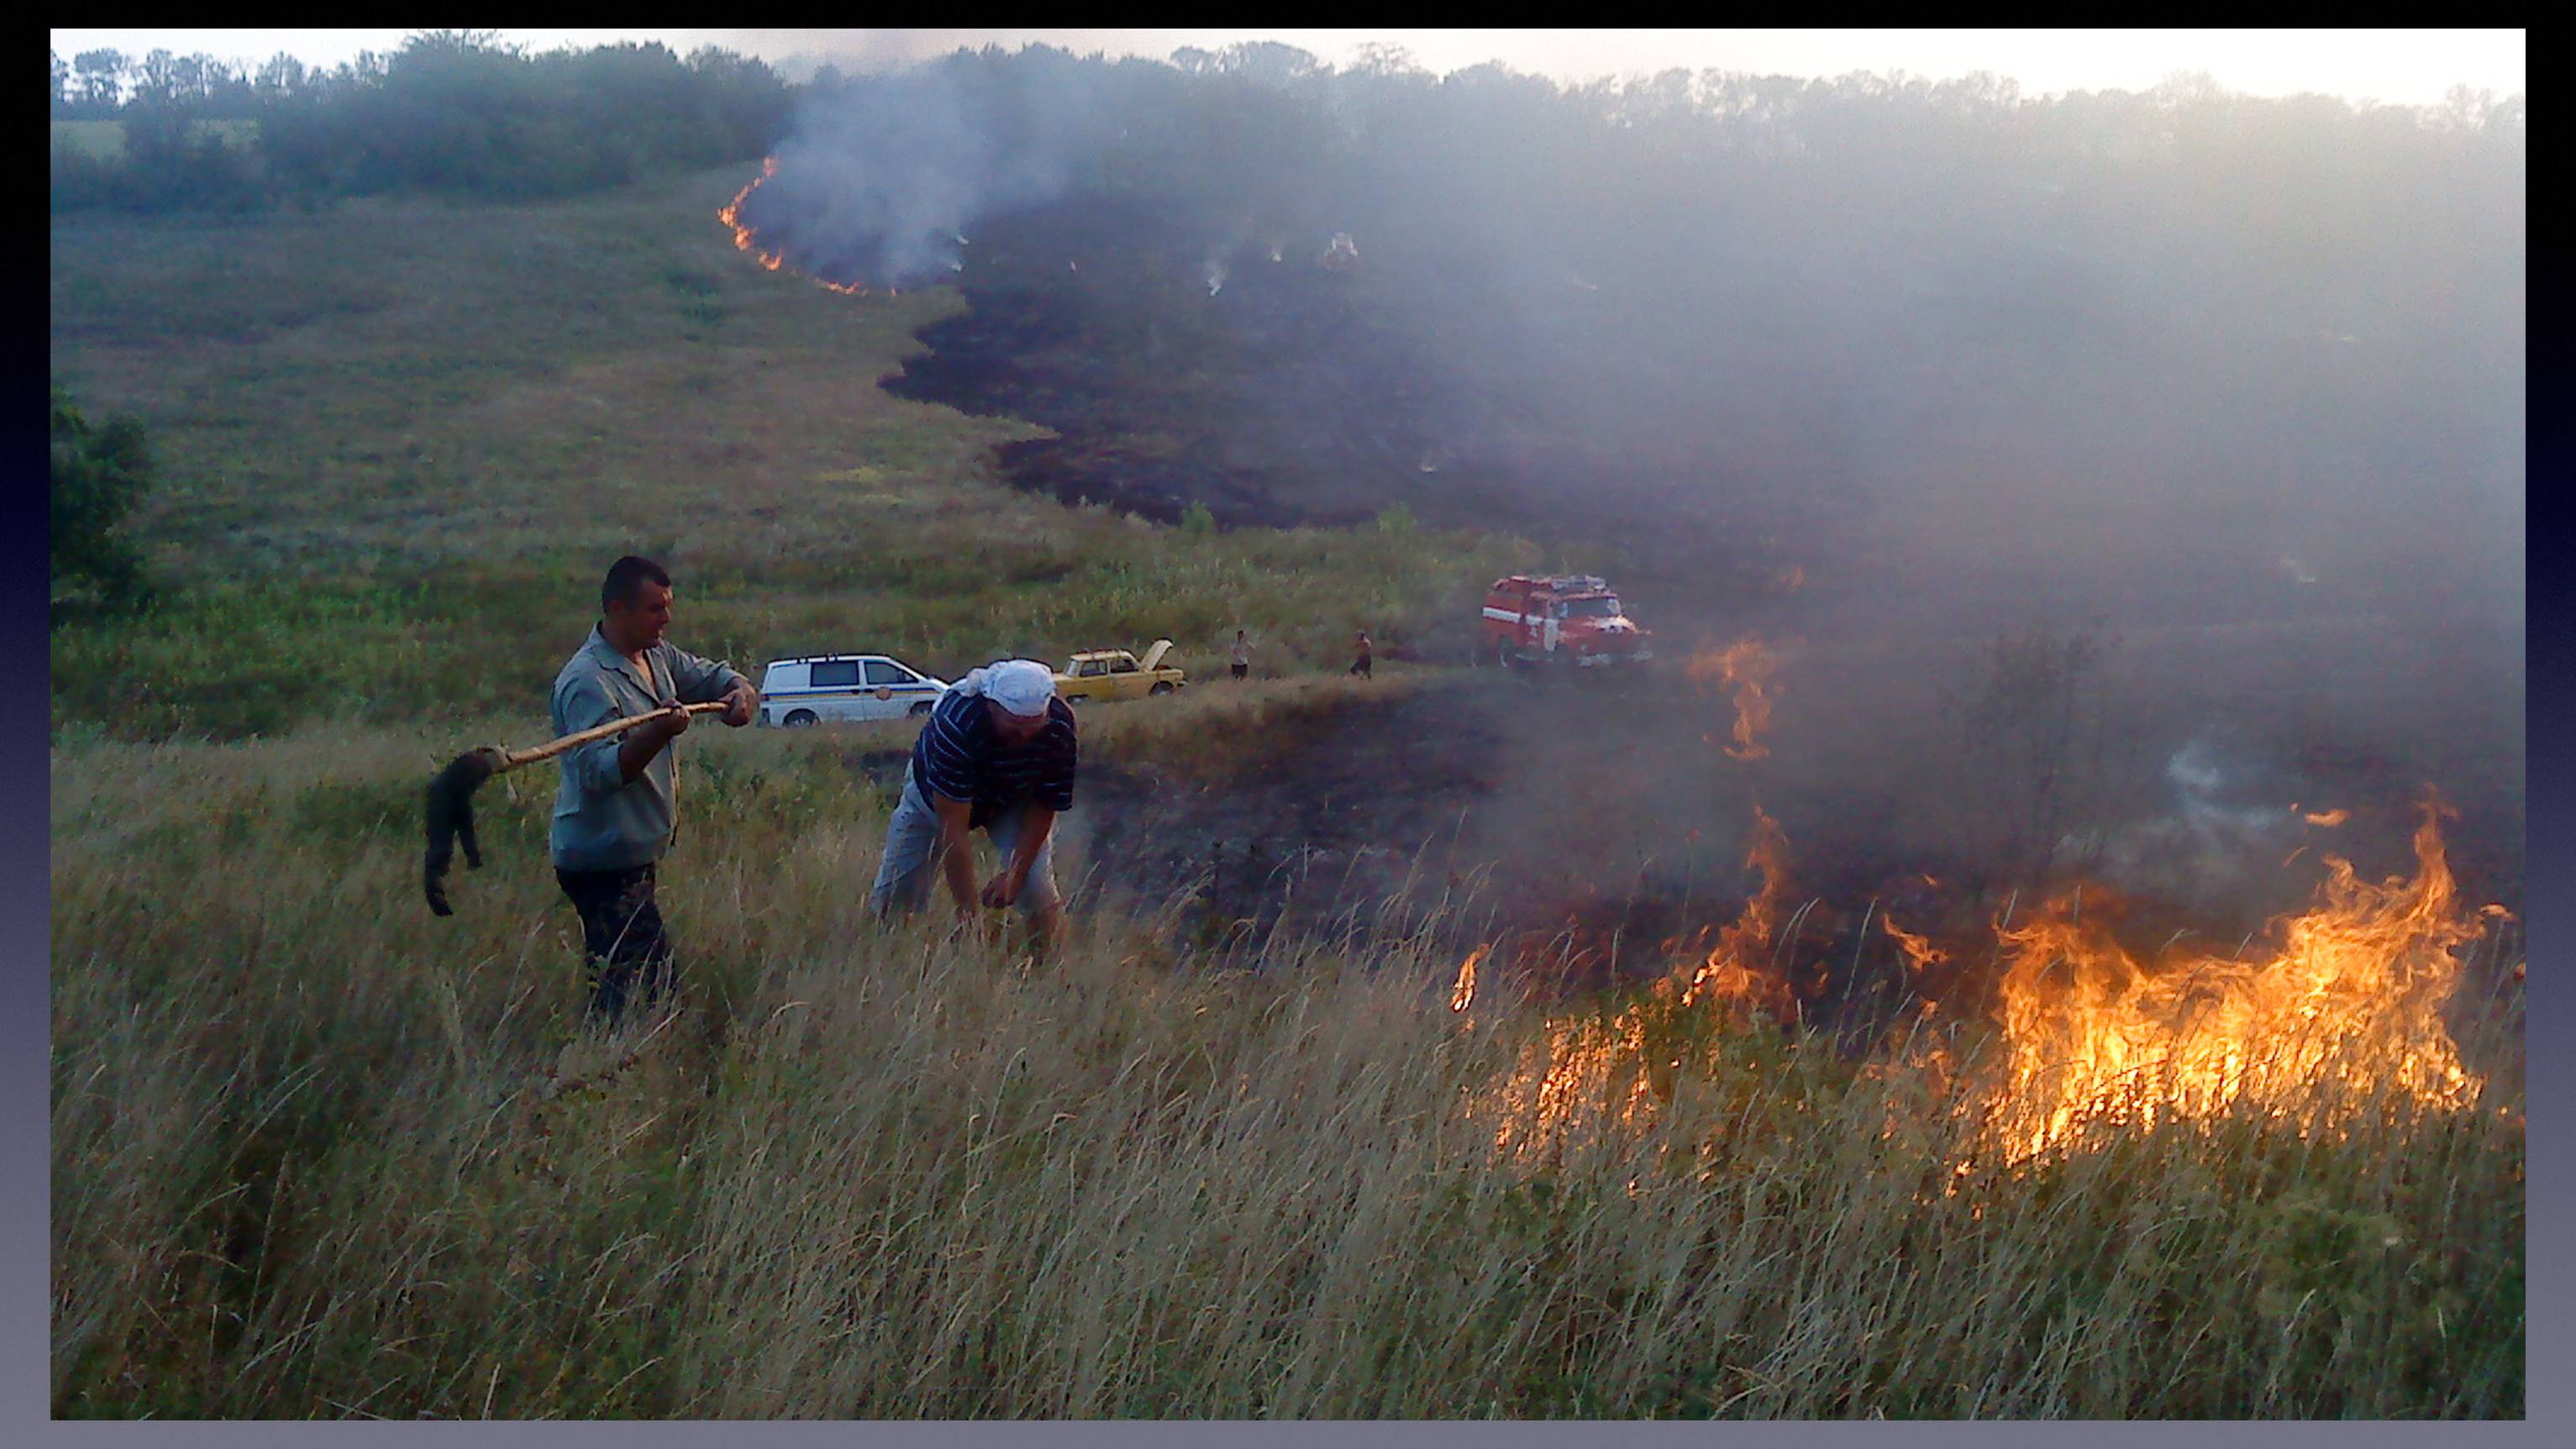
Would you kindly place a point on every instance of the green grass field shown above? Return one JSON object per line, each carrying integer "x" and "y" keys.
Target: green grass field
{"x": 317, "y": 1154}
{"x": 401, "y": 443}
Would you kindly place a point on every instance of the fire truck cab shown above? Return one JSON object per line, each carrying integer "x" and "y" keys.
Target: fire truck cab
{"x": 1574, "y": 618}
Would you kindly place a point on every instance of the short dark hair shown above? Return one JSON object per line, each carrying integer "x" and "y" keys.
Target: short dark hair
{"x": 626, "y": 578}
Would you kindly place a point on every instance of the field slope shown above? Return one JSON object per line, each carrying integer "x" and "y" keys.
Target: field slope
{"x": 317, "y": 1154}
{"x": 401, "y": 442}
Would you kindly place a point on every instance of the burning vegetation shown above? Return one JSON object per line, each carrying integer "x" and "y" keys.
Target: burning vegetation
{"x": 2345, "y": 1010}
{"x": 1920, "y": 954}
{"x": 2342, "y": 1014}
{"x": 731, "y": 215}
{"x": 1742, "y": 968}
{"x": 1746, "y": 668}
{"x": 2340, "y": 1009}
{"x": 746, "y": 241}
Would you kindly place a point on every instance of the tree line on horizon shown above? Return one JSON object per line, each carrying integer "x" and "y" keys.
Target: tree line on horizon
{"x": 454, "y": 113}
{"x": 462, "y": 113}
{"x": 2275, "y": 316}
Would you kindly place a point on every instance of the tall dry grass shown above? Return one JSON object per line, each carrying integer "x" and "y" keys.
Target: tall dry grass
{"x": 315, "y": 1153}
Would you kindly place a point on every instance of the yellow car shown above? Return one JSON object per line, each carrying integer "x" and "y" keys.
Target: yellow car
{"x": 1117, "y": 674}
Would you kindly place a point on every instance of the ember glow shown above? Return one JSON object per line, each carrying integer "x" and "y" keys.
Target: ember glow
{"x": 2350, "y": 1001}
{"x": 1746, "y": 667}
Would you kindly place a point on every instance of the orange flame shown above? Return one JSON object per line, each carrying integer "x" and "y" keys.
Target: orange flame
{"x": 2351, "y": 998}
{"x": 1738, "y": 968}
{"x": 1463, "y": 991}
{"x": 731, "y": 215}
{"x": 2342, "y": 1014}
{"x": 1586, "y": 1073}
{"x": 1920, "y": 953}
{"x": 2328, "y": 818}
{"x": 1747, "y": 666}
{"x": 1582, "y": 1075}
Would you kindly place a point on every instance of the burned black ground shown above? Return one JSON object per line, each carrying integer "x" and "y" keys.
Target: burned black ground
{"x": 1591, "y": 826}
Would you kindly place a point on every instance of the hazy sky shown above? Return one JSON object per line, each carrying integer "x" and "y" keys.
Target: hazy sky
{"x": 2405, "y": 66}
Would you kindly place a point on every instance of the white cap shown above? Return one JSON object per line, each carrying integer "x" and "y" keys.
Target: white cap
{"x": 1022, "y": 686}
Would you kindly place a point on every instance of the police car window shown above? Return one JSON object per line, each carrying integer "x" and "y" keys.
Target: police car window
{"x": 836, "y": 674}
{"x": 881, "y": 672}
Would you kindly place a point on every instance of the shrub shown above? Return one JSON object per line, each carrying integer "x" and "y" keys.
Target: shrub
{"x": 97, "y": 475}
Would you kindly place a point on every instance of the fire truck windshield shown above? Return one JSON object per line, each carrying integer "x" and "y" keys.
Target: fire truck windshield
{"x": 1599, "y": 606}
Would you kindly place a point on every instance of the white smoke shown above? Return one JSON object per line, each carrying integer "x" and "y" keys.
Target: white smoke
{"x": 879, "y": 183}
{"x": 2218, "y": 833}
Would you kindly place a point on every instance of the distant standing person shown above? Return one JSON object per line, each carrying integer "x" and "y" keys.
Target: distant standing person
{"x": 1360, "y": 665}
{"x": 1242, "y": 654}
{"x": 617, "y": 806}
{"x": 997, "y": 755}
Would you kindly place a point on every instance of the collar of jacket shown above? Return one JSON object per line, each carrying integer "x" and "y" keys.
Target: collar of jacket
{"x": 609, "y": 658}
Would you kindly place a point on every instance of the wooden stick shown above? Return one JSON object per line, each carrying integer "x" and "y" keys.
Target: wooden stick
{"x": 512, "y": 759}
{"x": 449, "y": 814}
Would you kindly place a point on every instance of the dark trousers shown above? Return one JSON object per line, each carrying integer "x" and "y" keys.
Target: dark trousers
{"x": 1241, "y": 670}
{"x": 621, "y": 933}
{"x": 1360, "y": 667}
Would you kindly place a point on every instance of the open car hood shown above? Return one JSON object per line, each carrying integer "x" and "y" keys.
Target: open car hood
{"x": 1154, "y": 657}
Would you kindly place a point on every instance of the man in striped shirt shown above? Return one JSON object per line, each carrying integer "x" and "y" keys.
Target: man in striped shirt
{"x": 997, "y": 755}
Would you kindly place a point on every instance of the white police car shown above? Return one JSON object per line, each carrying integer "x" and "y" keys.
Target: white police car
{"x": 795, "y": 693}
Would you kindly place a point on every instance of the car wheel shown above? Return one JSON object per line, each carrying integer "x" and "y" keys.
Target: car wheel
{"x": 920, "y": 711}
{"x": 1163, "y": 688}
{"x": 801, "y": 719}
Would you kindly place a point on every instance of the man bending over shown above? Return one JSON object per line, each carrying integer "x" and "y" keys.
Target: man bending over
{"x": 996, "y": 755}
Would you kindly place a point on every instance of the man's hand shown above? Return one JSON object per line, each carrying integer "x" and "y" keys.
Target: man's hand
{"x": 955, "y": 862}
{"x": 1003, "y": 889}
{"x": 646, "y": 740}
{"x": 740, "y": 703}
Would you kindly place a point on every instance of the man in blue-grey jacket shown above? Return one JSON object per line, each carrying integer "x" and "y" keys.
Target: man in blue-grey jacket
{"x": 616, "y": 809}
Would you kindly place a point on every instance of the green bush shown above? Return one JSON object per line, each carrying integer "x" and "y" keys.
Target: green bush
{"x": 97, "y": 476}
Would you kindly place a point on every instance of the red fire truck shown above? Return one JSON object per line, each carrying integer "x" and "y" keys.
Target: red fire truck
{"x": 1570, "y": 617}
